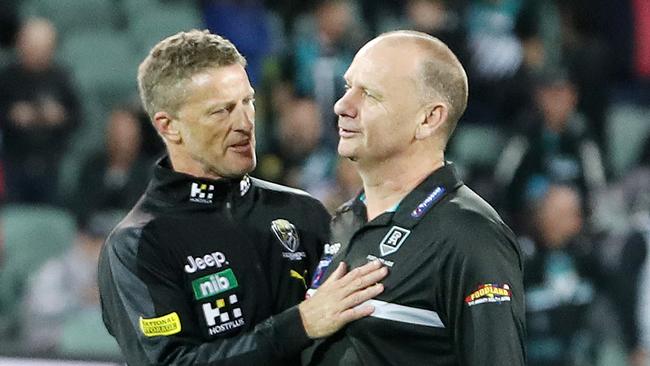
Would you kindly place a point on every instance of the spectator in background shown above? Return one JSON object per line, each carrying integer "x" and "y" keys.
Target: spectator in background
{"x": 8, "y": 23}
{"x": 347, "y": 183}
{"x": 305, "y": 162}
{"x": 554, "y": 147}
{"x": 377, "y": 13}
{"x": 559, "y": 289}
{"x": 38, "y": 111}
{"x": 631, "y": 290}
{"x": 441, "y": 20}
{"x": 495, "y": 54}
{"x": 588, "y": 62}
{"x": 322, "y": 56}
{"x": 246, "y": 23}
{"x": 116, "y": 177}
{"x": 65, "y": 285}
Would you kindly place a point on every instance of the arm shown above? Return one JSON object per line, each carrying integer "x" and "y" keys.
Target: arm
{"x": 131, "y": 291}
{"x": 484, "y": 266}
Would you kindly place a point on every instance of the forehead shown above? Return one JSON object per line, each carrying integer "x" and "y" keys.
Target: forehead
{"x": 220, "y": 82}
{"x": 384, "y": 65}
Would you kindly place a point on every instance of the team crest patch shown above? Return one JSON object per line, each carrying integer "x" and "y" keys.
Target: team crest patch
{"x": 489, "y": 293}
{"x": 393, "y": 240}
{"x": 288, "y": 236}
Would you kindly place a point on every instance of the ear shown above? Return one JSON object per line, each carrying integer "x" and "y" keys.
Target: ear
{"x": 435, "y": 116}
{"x": 167, "y": 127}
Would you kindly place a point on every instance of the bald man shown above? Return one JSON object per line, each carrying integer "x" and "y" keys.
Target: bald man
{"x": 454, "y": 295}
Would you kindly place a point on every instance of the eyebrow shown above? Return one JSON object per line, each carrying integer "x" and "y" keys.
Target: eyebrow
{"x": 212, "y": 106}
{"x": 374, "y": 91}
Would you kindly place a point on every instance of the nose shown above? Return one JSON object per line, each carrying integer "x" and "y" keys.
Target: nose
{"x": 346, "y": 105}
{"x": 246, "y": 119}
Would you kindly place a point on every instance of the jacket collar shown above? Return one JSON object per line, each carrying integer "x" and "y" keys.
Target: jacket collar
{"x": 180, "y": 189}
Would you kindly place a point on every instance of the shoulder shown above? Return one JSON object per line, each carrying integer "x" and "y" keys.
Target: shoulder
{"x": 473, "y": 229}
{"x": 273, "y": 192}
{"x": 277, "y": 188}
{"x": 125, "y": 239}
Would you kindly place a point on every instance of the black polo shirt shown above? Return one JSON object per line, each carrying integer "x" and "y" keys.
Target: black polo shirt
{"x": 454, "y": 295}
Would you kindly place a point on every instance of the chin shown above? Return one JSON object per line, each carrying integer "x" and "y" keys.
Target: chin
{"x": 346, "y": 152}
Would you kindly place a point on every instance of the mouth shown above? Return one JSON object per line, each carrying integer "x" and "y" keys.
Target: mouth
{"x": 241, "y": 147}
{"x": 345, "y": 133}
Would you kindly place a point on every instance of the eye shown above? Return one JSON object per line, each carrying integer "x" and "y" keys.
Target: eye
{"x": 220, "y": 112}
{"x": 249, "y": 100}
{"x": 366, "y": 93}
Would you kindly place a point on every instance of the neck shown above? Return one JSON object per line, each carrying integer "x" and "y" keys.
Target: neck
{"x": 386, "y": 184}
{"x": 183, "y": 163}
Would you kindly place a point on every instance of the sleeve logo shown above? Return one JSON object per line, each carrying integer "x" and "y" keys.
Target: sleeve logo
{"x": 162, "y": 326}
{"x": 489, "y": 293}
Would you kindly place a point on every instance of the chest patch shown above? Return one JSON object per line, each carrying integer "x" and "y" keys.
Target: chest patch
{"x": 393, "y": 240}
{"x": 287, "y": 234}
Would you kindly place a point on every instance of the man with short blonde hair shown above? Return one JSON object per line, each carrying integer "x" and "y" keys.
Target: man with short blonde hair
{"x": 210, "y": 266}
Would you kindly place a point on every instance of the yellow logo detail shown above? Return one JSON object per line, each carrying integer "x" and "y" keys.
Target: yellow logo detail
{"x": 162, "y": 326}
{"x": 297, "y": 275}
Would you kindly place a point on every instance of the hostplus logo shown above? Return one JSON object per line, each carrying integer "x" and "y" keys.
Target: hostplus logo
{"x": 201, "y": 193}
{"x": 224, "y": 316}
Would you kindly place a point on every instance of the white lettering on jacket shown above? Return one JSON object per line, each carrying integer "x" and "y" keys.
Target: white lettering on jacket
{"x": 213, "y": 259}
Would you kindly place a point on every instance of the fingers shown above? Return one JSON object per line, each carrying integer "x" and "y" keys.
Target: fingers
{"x": 356, "y": 313}
{"x": 365, "y": 276}
{"x": 337, "y": 301}
{"x": 338, "y": 273}
{"x": 361, "y": 296}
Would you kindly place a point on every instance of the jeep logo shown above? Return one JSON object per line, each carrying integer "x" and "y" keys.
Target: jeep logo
{"x": 215, "y": 259}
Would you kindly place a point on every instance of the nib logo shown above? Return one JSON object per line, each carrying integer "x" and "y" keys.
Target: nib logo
{"x": 214, "y": 284}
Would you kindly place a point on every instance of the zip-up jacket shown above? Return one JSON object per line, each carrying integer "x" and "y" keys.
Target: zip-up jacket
{"x": 208, "y": 272}
{"x": 454, "y": 294}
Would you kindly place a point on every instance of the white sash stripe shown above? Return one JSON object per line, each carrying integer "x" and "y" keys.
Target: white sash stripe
{"x": 405, "y": 314}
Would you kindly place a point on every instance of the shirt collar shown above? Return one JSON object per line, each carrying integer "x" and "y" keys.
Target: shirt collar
{"x": 415, "y": 205}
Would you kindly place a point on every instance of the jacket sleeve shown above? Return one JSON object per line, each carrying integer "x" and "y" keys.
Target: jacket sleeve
{"x": 143, "y": 308}
{"x": 483, "y": 294}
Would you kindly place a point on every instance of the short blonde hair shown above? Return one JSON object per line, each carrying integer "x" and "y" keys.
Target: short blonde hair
{"x": 163, "y": 74}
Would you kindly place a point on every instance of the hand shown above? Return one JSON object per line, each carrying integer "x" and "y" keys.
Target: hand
{"x": 335, "y": 303}
{"x": 638, "y": 357}
{"x": 53, "y": 112}
{"x": 23, "y": 114}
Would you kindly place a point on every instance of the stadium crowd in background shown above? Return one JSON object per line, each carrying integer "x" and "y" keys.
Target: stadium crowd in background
{"x": 557, "y": 118}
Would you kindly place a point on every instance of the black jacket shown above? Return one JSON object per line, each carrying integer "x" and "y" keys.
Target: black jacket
{"x": 454, "y": 294}
{"x": 207, "y": 272}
